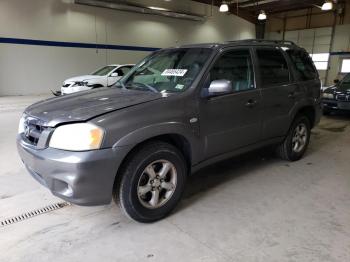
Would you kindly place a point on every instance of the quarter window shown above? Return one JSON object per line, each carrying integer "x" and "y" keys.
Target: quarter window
{"x": 273, "y": 67}
{"x": 235, "y": 66}
{"x": 303, "y": 65}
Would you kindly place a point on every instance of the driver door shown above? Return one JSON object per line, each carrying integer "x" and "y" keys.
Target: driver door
{"x": 231, "y": 121}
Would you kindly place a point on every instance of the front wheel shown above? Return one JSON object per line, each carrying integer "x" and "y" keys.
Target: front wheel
{"x": 151, "y": 182}
{"x": 297, "y": 140}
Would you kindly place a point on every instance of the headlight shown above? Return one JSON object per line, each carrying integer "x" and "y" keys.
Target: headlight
{"x": 21, "y": 125}
{"x": 77, "y": 137}
{"x": 327, "y": 95}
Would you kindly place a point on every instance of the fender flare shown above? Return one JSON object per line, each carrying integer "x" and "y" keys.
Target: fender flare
{"x": 300, "y": 106}
{"x": 169, "y": 128}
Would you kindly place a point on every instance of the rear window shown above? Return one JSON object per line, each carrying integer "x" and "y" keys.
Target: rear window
{"x": 303, "y": 65}
{"x": 273, "y": 67}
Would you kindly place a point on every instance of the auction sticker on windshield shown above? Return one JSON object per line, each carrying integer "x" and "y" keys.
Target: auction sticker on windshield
{"x": 174, "y": 72}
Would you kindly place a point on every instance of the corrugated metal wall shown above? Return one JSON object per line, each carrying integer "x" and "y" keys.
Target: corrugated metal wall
{"x": 318, "y": 40}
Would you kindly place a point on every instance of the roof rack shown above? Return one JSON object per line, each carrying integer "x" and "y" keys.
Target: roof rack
{"x": 280, "y": 42}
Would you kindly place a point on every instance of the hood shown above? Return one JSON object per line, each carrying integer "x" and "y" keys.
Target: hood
{"x": 330, "y": 89}
{"x": 83, "y": 78}
{"x": 339, "y": 89}
{"x": 83, "y": 106}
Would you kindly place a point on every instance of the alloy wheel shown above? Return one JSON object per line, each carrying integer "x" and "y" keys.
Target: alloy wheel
{"x": 157, "y": 184}
{"x": 299, "y": 139}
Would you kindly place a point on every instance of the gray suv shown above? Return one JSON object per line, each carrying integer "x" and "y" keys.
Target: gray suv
{"x": 177, "y": 111}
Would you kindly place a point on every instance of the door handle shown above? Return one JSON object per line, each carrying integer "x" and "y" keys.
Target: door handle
{"x": 251, "y": 103}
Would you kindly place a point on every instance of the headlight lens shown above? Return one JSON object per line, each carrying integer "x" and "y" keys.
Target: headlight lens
{"x": 21, "y": 125}
{"x": 327, "y": 95}
{"x": 77, "y": 137}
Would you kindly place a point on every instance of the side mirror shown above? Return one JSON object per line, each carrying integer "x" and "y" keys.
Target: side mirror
{"x": 336, "y": 81}
{"x": 220, "y": 87}
{"x": 115, "y": 74}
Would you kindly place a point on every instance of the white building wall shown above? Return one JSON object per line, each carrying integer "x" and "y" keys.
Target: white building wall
{"x": 341, "y": 49}
{"x": 32, "y": 69}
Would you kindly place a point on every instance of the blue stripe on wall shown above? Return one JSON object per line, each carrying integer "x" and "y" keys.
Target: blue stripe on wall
{"x": 20, "y": 41}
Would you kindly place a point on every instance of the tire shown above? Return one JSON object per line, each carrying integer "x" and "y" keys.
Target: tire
{"x": 137, "y": 187}
{"x": 288, "y": 150}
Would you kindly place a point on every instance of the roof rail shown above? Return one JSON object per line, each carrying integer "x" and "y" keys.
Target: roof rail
{"x": 281, "y": 42}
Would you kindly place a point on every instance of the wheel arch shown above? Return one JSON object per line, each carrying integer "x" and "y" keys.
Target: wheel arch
{"x": 175, "y": 133}
{"x": 308, "y": 111}
{"x": 175, "y": 139}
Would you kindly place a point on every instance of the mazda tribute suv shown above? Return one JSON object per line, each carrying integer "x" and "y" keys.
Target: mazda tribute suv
{"x": 177, "y": 111}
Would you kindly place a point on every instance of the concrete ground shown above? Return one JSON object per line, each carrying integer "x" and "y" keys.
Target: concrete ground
{"x": 252, "y": 208}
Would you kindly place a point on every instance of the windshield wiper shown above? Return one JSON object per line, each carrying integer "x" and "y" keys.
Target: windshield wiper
{"x": 151, "y": 88}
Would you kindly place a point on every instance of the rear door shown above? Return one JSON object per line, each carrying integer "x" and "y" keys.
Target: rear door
{"x": 279, "y": 91}
{"x": 231, "y": 121}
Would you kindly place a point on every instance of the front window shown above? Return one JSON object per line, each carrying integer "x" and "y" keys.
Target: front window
{"x": 103, "y": 71}
{"x": 235, "y": 66}
{"x": 169, "y": 71}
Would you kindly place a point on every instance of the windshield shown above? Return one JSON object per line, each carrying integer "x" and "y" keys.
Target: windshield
{"x": 346, "y": 79}
{"x": 345, "y": 84}
{"x": 103, "y": 71}
{"x": 172, "y": 70}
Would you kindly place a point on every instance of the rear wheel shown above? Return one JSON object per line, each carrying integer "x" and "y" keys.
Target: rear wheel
{"x": 151, "y": 182}
{"x": 297, "y": 140}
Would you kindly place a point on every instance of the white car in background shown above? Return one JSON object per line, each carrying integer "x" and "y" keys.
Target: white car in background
{"x": 103, "y": 77}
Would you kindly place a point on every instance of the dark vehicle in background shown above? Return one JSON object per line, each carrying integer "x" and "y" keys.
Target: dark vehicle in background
{"x": 337, "y": 97}
{"x": 177, "y": 111}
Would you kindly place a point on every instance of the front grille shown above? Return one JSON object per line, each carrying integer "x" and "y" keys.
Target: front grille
{"x": 330, "y": 104}
{"x": 33, "y": 130}
{"x": 343, "y": 97}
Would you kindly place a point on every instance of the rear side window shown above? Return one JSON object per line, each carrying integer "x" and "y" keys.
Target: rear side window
{"x": 303, "y": 65}
{"x": 273, "y": 67}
